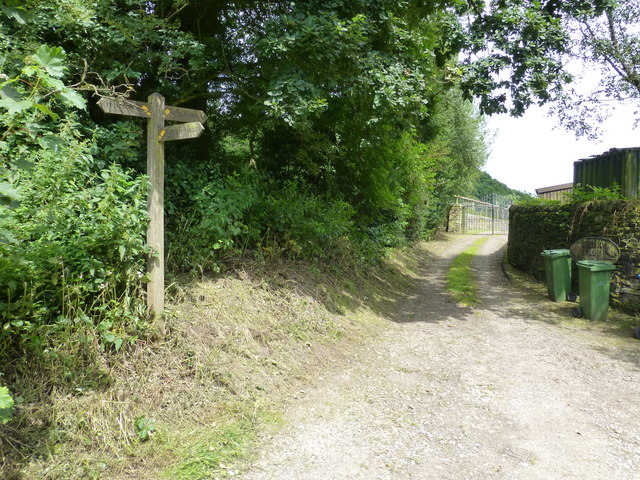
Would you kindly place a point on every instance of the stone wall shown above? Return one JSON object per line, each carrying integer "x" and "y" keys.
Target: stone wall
{"x": 534, "y": 228}
{"x": 456, "y": 218}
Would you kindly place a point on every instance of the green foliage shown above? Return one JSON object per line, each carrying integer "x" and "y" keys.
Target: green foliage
{"x": 38, "y": 86}
{"x": 72, "y": 251}
{"x": 230, "y": 216}
{"x": 527, "y": 40}
{"x": 590, "y": 193}
{"x": 382, "y": 80}
{"x": 212, "y": 224}
{"x": 13, "y": 10}
{"x": 145, "y": 427}
{"x": 31, "y": 103}
{"x": 300, "y": 223}
{"x": 395, "y": 189}
{"x": 6, "y": 405}
{"x": 78, "y": 253}
{"x": 326, "y": 96}
{"x": 485, "y": 185}
{"x": 606, "y": 42}
{"x": 456, "y": 131}
{"x": 460, "y": 280}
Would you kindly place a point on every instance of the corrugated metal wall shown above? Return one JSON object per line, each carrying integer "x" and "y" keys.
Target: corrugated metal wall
{"x": 621, "y": 166}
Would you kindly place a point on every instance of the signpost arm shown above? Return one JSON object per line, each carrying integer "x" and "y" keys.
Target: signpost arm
{"x": 155, "y": 207}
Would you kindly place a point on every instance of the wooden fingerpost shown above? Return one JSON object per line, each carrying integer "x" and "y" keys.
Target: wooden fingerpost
{"x": 156, "y": 112}
{"x": 155, "y": 205}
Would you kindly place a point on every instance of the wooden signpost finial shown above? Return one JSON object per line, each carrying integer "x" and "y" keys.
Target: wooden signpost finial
{"x": 156, "y": 113}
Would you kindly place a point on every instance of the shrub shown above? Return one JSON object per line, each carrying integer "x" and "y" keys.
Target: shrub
{"x": 291, "y": 218}
{"x": 590, "y": 193}
{"x": 77, "y": 250}
{"x": 208, "y": 213}
{"x": 247, "y": 211}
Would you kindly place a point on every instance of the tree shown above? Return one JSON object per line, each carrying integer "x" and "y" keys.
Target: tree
{"x": 320, "y": 93}
{"x": 609, "y": 45}
{"x": 512, "y": 50}
{"x": 485, "y": 185}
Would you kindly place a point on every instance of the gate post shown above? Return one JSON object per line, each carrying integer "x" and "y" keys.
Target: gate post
{"x": 456, "y": 219}
{"x": 463, "y": 219}
{"x": 493, "y": 214}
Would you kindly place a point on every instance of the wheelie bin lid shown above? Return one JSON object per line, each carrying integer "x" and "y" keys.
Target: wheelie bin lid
{"x": 559, "y": 252}
{"x": 596, "y": 266}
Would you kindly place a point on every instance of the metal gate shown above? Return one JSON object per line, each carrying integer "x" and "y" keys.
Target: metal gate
{"x": 474, "y": 217}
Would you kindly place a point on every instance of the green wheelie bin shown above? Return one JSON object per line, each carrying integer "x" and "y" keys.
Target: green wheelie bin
{"x": 594, "y": 279}
{"x": 557, "y": 265}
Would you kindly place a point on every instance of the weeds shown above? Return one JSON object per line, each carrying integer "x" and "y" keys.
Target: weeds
{"x": 215, "y": 451}
{"x": 460, "y": 280}
{"x": 76, "y": 262}
{"x": 6, "y": 405}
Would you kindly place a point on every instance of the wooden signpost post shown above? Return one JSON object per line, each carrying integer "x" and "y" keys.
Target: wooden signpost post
{"x": 156, "y": 112}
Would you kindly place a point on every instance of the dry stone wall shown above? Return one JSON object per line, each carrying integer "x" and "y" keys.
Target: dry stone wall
{"x": 534, "y": 228}
{"x": 456, "y": 217}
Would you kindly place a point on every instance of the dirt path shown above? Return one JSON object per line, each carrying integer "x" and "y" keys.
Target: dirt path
{"x": 460, "y": 393}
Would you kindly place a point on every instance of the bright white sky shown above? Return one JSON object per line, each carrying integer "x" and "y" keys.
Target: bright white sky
{"x": 533, "y": 151}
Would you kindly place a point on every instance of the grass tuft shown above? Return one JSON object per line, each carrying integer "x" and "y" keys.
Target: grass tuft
{"x": 460, "y": 281}
{"x": 214, "y": 452}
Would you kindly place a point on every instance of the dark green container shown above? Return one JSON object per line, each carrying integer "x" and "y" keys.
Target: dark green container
{"x": 594, "y": 278}
{"x": 557, "y": 265}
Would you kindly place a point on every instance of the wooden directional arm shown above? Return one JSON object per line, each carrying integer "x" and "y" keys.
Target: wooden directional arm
{"x": 181, "y": 131}
{"x": 132, "y": 108}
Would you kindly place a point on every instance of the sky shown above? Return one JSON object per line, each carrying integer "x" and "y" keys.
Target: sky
{"x": 534, "y": 151}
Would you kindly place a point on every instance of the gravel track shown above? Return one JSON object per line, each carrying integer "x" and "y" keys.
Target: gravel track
{"x": 451, "y": 392}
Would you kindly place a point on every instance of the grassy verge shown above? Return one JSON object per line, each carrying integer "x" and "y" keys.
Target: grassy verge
{"x": 238, "y": 348}
{"x": 460, "y": 281}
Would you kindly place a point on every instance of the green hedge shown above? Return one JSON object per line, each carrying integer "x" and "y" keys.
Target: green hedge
{"x": 534, "y": 228}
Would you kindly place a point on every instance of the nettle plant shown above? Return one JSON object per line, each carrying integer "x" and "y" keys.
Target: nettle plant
{"x": 39, "y": 81}
{"x": 29, "y": 99}
{"x": 72, "y": 250}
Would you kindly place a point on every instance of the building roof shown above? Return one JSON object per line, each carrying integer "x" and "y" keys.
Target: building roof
{"x": 554, "y": 188}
